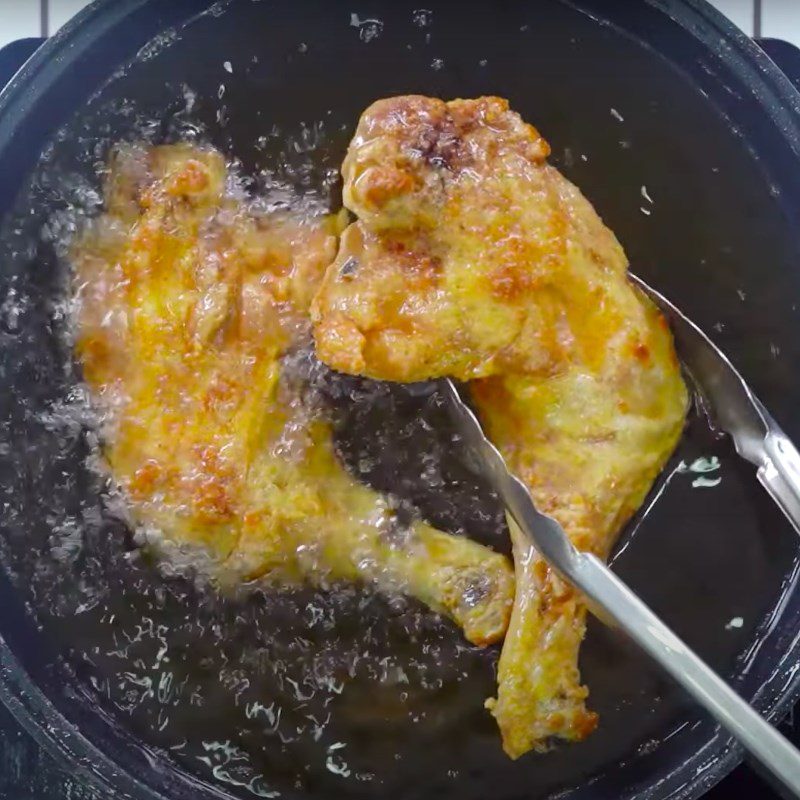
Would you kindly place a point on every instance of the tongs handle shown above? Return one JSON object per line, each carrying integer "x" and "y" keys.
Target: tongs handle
{"x": 768, "y": 747}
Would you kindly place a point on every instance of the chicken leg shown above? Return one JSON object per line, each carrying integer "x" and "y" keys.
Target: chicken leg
{"x": 186, "y": 302}
{"x": 471, "y": 257}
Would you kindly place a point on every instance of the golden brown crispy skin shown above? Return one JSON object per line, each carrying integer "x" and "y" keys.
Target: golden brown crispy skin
{"x": 452, "y": 200}
{"x": 186, "y": 303}
{"x": 472, "y": 257}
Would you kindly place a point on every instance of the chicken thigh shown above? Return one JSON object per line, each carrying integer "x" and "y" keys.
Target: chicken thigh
{"x": 186, "y": 302}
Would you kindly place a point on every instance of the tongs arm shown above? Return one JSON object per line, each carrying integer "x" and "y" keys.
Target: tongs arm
{"x": 613, "y": 601}
{"x": 735, "y": 408}
{"x": 779, "y": 472}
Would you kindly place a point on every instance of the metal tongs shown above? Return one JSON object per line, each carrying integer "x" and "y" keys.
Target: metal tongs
{"x": 758, "y": 439}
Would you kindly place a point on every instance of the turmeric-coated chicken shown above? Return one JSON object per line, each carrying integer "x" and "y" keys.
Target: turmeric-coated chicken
{"x": 186, "y": 301}
{"x": 471, "y": 257}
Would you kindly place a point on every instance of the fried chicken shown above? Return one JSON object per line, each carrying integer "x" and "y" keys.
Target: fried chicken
{"x": 471, "y": 257}
{"x": 186, "y": 301}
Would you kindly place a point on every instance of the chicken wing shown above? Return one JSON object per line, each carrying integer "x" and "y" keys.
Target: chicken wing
{"x": 472, "y": 257}
{"x": 186, "y": 301}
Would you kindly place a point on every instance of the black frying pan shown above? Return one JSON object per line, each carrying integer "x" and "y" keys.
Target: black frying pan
{"x": 662, "y": 95}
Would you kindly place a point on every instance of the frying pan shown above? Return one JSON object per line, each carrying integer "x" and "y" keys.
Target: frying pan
{"x": 685, "y": 137}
